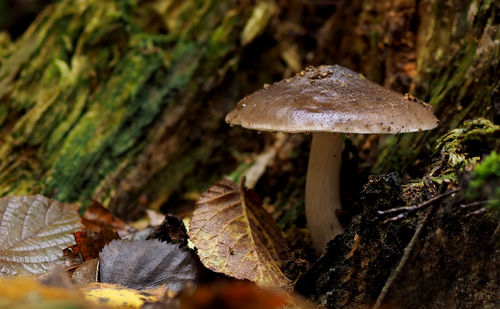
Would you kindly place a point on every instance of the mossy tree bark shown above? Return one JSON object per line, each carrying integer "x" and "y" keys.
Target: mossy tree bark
{"x": 457, "y": 50}
{"x": 110, "y": 100}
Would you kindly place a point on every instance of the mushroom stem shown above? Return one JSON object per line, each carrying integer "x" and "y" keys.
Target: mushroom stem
{"x": 322, "y": 188}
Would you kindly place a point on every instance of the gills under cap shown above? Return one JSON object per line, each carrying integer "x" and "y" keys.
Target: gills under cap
{"x": 331, "y": 99}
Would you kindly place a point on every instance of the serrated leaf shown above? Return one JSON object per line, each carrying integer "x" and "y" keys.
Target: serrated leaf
{"x": 34, "y": 230}
{"x": 235, "y": 236}
{"x": 146, "y": 264}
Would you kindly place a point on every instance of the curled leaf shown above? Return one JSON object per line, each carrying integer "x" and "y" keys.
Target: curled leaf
{"x": 146, "y": 264}
{"x": 234, "y": 235}
{"x": 34, "y": 230}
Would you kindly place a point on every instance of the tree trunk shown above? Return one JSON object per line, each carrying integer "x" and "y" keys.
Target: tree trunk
{"x": 116, "y": 100}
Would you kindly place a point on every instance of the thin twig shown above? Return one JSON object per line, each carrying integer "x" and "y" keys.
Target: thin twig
{"x": 476, "y": 212}
{"x": 409, "y": 209}
{"x": 396, "y": 218}
{"x": 404, "y": 259}
{"x": 473, "y": 204}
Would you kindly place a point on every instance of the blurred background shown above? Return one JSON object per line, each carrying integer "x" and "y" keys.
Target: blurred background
{"x": 17, "y": 15}
{"x": 145, "y": 86}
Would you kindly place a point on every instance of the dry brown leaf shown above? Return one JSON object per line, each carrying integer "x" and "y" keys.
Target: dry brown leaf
{"x": 87, "y": 273}
{"x": 234, "y": 235}
{"x": 89, "y": 243}
{"x": 34, "y": 230}
{"x": 97, "y": 216}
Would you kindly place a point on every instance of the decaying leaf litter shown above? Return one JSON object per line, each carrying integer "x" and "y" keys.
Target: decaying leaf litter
{"x": 162, "y": 269}
{"x": 231, "y": 231}
{"x": 350, "y": 272}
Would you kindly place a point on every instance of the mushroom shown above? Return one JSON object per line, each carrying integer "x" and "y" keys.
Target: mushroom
{"x": 328, "y": 101}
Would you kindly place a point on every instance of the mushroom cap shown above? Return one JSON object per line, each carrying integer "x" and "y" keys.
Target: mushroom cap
{"x": 331, "y": 99}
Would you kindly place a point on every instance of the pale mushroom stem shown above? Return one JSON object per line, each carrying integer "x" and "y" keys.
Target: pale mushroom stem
{"x": 322, "y": 188}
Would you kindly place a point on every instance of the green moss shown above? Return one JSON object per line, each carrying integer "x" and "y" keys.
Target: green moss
{"x": 463, "y": 147}
{"x": 485, "y": 181}
{"x": 490, "y": 166}
{"x": 83, "y": 90}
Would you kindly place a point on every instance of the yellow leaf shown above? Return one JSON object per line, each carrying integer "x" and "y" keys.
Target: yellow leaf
{"x": 28, "y": 292}
{"x": 116, "y": 296}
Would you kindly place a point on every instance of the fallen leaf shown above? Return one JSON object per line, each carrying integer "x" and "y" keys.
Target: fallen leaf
{"x": 146, "y": 264}
{"x": 87, "y": 272}
{"x": 235, "y": 236}
{"x": 89, "y": 243}
{"x": 34, "y": 230}
{"x": 116, "y": 296}
{"x": 71, "y": 260}
{"x": 98, "y": 215}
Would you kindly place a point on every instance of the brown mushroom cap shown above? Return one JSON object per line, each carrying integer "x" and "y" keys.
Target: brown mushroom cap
{"x": 331, "y": 99}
